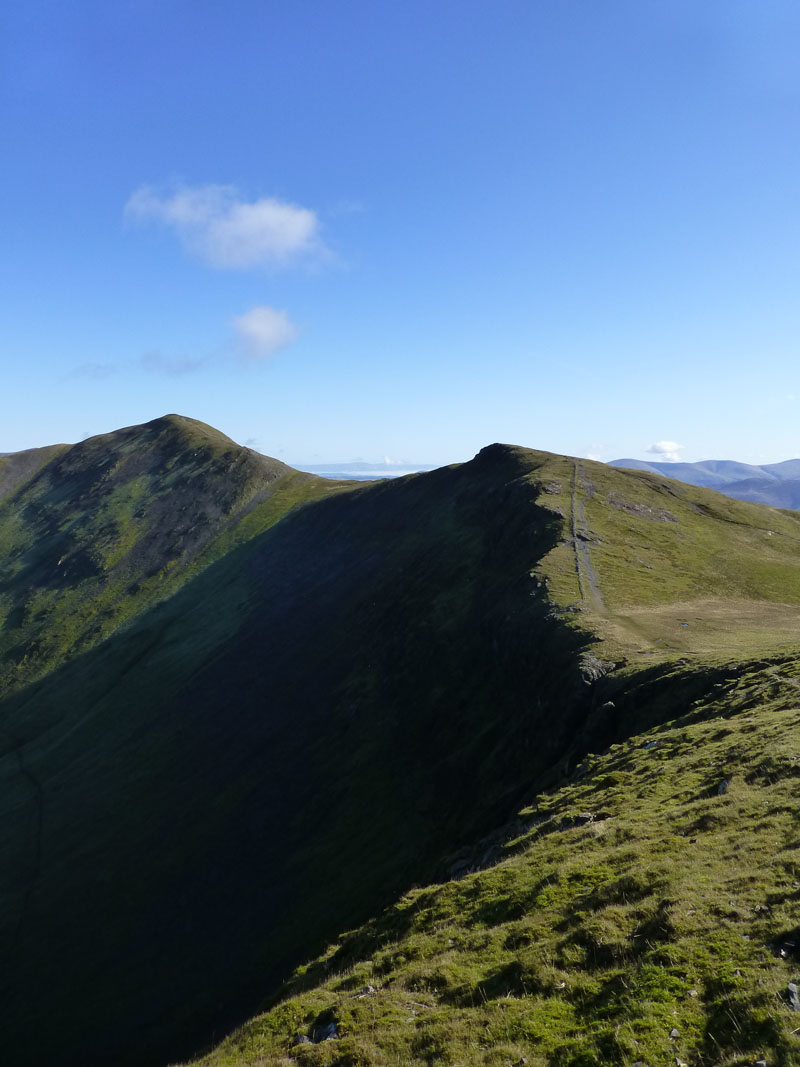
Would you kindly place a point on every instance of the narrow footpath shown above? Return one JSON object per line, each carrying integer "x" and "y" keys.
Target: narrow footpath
{"x": 587, "y": 576}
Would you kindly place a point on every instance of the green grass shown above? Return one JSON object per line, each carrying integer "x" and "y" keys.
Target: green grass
{"x": 681, "y": 570}
{"x": 254, "y": 708}
{"x": 589, "y": 944}
{"x": 99, "y": 532}
{"x": 19, "y": 467}
{"x": 103, "y": 530}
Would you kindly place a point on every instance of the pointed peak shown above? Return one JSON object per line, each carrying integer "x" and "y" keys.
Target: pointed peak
{"x": 183, "y": 424}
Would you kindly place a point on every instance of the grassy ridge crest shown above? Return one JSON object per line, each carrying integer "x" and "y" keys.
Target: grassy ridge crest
{"x": 96, "y": 533}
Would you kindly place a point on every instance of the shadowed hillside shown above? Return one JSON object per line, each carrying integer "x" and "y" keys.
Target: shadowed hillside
{"x": 308, "y": 725}
{"x": 94, "y": 533}
{"x": 645, "y": 912}
{"x": 297, "y": 733}
{"x": 16, "y": 468}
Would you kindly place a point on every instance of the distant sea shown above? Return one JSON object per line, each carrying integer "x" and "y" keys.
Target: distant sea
{"x": 357, "y": 472}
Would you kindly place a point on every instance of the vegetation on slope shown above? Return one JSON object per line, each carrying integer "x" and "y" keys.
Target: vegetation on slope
{"x": 17, "y": 467}
{"x": 303, "y": 728}
{"x": 658, "y": 569}
{"x": 202, "y": 777}
{"x": 646, "y": 912}
{"x": 91, "y": 535}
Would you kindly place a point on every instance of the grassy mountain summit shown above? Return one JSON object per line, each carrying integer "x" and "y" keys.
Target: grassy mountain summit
{"x": 324, "y": 694}
{"x": 94, "y": 533}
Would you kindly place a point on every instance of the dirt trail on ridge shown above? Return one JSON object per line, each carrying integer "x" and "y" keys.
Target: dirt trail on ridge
{"x": 587, "y": 575}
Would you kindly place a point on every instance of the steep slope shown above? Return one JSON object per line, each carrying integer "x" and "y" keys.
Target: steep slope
{"x": 294, "y": 735}
{"x": 306, "y": 726}
{"x": 645, "y": 912}
{"x": 93, "y": 534}
{"x": 16, "y": 468}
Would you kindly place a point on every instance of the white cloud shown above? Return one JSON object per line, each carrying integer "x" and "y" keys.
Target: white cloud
{"x": 214, "y": 223}
{"x": 595, "y": 451}
{"x": 667, "y": 451}
{"x": 262, "y": 331}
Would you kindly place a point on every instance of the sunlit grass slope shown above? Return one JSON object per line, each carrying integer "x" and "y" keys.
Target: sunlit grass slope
{"x": 659, "y": 569}
{"x": 327, "y": 701}
{"x": 92, "y": 534}
{"x": 645, "y": 912}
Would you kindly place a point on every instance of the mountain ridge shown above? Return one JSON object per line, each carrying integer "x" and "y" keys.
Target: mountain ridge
{"x": 94, "y": 532}
{"x": 343, "y": 684}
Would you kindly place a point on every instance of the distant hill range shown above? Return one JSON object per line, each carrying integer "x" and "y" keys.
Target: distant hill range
{"x": 775, "y": 484}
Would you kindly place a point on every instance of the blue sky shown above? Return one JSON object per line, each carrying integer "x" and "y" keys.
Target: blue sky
{"x": 341, "y": 230}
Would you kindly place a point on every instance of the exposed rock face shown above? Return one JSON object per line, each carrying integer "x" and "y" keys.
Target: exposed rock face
{"x": 593, "y": 669}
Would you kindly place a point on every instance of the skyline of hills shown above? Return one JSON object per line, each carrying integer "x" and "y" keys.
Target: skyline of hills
{"x": 774, "y": 484}
{"x": 245, "y": 709}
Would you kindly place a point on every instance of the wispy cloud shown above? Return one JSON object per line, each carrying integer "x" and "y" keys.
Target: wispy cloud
{"x": 152, "y": 362}
{"x": 667, "y": 451}
{"x": 262, "y": 331}
{"x": 171, "y": 366}
{"x": 214, "y": 223}
{"x": 96, "y": 371}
